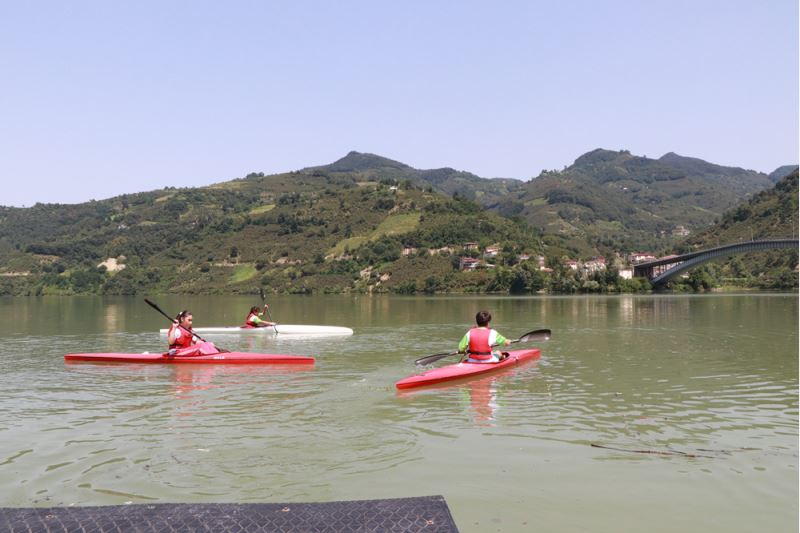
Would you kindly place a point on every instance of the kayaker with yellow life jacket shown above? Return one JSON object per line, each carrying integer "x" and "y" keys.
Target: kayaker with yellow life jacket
{"x": 478, "y": 341}
{"x": 254, "y": 319}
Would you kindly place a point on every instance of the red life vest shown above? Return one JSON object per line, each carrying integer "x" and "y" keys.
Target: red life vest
{"x": 250, "y": 322}
{"x": 184, "y": 341}
{"x": 479, "y": 348}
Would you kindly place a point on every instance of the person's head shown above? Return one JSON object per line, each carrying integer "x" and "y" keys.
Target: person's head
{"x": 483, "y": 318}
{"x": 184, "y": 318}
{"x": 255, "y": 310}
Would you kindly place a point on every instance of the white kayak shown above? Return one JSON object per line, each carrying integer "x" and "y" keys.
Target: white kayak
{"x": 280, "y": 329}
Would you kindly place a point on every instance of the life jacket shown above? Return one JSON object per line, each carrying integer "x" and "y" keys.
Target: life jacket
{"x": 183, "y": 341}
{"x": 250, "y": 322}
{"x": 479, "y": 347}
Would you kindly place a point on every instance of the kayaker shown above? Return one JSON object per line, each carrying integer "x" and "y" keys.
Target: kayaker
{"x": 478, "y": 341}
{"x": 182, "y": 341}
{"x": 180, "y": 333}
{"x": 254, "y": 319}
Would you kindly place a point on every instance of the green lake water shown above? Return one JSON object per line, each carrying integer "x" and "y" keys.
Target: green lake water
{"x": 707, "y": 385}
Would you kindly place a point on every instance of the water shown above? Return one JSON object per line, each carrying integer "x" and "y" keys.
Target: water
{"x": 707, "y": 385}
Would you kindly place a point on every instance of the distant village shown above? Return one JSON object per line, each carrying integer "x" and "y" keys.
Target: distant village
{"x": 486, "y": 258}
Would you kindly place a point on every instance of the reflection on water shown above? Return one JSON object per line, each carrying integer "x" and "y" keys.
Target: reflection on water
{"x": 482, "y": 395}
{"x": 714, "y": 376}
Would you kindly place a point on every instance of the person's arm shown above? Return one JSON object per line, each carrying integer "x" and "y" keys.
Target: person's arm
{"x": 261, "y": 323}
{"x": 501, "y": 340}
{"x": 462, "y": 346}
{"x": 173, "y": 334}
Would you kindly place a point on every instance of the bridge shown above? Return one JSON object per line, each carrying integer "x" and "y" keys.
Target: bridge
{"x": 662, "y": 270}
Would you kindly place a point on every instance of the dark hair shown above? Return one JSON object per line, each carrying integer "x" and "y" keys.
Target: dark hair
{"x": 254, "y": 309}
{"x": 183, "y": 314}
{"x": 483, "y": 318}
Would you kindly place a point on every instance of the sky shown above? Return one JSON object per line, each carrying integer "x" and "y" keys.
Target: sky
{"x": 103, "y": 98}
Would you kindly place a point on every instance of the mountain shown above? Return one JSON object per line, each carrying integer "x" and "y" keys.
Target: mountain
{"x": 447, "y": 181}
{"x": 770, "y": 214}
{"x": 613, "y": 200}
{"x": 781, "y": 172}
{"x": 361, "y": 223}
{"x": 312, "y": 230}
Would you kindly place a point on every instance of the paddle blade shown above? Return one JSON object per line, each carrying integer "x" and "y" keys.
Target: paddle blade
{"x": 537, "y": 335}
{"x": 428, "y": 359}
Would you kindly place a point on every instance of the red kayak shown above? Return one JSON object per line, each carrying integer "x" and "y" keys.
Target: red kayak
{"x": 225, "y": 358}
{"x": 466, "y": 370}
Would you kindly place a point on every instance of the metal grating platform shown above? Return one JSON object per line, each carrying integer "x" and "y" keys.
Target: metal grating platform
{"x": 427, "y": 514}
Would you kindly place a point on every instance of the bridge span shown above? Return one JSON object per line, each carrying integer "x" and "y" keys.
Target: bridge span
{"x": 662, "y": 270}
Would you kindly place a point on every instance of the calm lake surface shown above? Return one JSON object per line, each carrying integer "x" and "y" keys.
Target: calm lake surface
{"x": 711, "y": 376}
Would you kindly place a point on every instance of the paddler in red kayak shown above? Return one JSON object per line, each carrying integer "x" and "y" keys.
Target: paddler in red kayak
{"x": 254, "y": 319}
{"x": 181, "y": 340}
{"x": 478, "y": 341}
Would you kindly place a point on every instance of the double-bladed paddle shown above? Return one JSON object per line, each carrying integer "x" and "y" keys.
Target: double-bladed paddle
{"x": 157, "y": 308}
{"x": 536, "y": 335}
{"x": 266, "y": 307}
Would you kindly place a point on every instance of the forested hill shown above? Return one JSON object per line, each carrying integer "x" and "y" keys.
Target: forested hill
{"x": 781, "y": 172}
{"x": 447, "y": 181}
{"x": 302, "y": 231}
{"x": 611, "y": 200}
{"x": 770, "y": 214}
{"x": 362, "y": 223}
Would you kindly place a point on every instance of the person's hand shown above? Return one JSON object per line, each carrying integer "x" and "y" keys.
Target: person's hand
{"x": 507, "y": 343}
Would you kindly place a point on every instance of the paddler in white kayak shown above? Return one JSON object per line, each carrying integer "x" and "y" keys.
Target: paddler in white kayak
{"x": 182, "y": 341}
{"x": 478, "y": 341}
{"x": 254, "y": 319}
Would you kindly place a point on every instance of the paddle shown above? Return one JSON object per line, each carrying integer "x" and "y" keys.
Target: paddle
{"x": 536, "y": 335}
{"x": 266, "y": 307}
{"x": 157, "y": 308}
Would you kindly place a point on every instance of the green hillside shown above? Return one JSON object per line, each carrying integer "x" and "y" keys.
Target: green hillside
{"x": 770, "y": 214}
{"x": 610, "y": 201}
{"x": 366, "y": 223}
{"x": 296, "y": 232}
{"x": 447, "y": 181}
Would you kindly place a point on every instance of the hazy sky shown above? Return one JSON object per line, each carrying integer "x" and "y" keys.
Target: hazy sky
{"x": 102, "y": 98}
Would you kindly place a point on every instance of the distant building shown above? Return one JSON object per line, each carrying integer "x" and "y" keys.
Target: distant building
{"x": 469, "y": 263}
{"x": 595, "y": 265}
{"x": 680, "y": 231}
{"x": 443, "y": 250}
{"x": 523, "y": 257}
{"x": 626, "y": 273}
{"x": 408, "y": 250}
{"x": 641, "y": 257}
{"x": 571, "y": 264}
{"x": 470, "y": 245}
{"x": 492, "y": 251}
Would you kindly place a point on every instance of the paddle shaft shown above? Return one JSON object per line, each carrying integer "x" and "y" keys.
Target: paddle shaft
{"x": 266, "y": 308}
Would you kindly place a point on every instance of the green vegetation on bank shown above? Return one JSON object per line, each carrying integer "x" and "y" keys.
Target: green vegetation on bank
{"x": 370, "y": 224}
